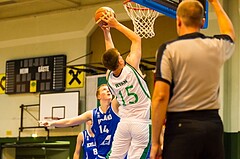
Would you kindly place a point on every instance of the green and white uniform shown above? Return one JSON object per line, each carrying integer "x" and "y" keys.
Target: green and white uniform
{"x": 132, "y": 134}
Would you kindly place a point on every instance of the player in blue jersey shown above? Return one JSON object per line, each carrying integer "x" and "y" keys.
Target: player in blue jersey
{"x": 87, "y": 141}
{"x": 105, "y": 120}
{"x": 104, "y": 126}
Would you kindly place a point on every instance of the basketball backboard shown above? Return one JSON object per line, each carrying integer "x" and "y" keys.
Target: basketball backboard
{"x": 169, "y": 7}
{"x": 61, "y": 105}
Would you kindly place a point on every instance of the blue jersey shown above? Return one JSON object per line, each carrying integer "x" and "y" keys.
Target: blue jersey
{"x": 89, "y": 146}
{"x": 104, "y": 126}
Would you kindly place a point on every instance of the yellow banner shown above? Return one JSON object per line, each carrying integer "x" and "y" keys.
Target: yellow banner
{"x": 75, "y": 77}
{"x": 2, "y": 83}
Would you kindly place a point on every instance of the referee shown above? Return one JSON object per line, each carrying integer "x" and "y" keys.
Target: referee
{"x": 186, "y": 92}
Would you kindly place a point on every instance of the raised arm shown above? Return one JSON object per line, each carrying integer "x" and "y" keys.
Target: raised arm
{"x": 83, "y": 118}
{"x": 134, "y": 56}
{"x": 108, "y": 38}
{"x": 225, "y": 24}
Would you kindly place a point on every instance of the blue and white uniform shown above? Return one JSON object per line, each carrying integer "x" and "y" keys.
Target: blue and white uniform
{"x": 89, "y": 146}
{"x": 104, "y": 126}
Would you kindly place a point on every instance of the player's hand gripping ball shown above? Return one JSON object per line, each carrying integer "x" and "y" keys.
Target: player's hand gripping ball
{"x": 101, "y": 12}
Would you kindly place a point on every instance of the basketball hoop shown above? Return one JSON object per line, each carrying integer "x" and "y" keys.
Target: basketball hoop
{"x": 143, "y": 18}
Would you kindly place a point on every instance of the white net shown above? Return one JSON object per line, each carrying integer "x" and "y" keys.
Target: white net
{"x": 143, "y": 18}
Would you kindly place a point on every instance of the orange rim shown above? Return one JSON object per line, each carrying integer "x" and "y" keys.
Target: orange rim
{"x": 126, "y": 1}
{"x": 134, "y": 8}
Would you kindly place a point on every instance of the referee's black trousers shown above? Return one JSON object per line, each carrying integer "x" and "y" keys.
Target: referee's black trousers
{"x": 193, "y": 135}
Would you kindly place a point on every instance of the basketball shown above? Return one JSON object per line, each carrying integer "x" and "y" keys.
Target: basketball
{"x": 99, "y": 13}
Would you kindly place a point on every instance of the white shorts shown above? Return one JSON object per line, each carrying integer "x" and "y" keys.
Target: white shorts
{"x": 132, "y": 138}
